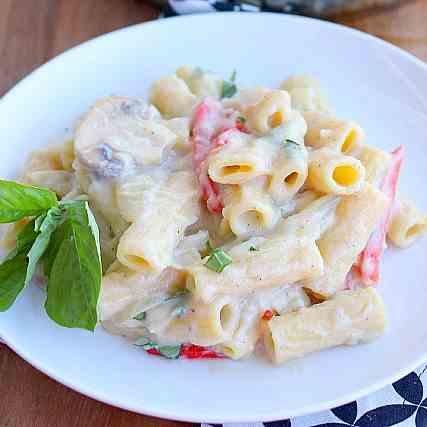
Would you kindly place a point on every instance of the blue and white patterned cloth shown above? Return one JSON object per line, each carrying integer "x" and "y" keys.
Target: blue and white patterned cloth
{"x": 403, "y": 403}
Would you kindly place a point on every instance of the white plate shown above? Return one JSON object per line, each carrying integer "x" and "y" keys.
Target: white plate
{"x": 370, "y": 81}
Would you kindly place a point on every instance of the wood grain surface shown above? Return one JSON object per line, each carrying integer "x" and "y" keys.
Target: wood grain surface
{"x": 32, "y": 32}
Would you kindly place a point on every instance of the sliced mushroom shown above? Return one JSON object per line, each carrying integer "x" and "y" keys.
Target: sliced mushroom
{"x": 119, "y": 134}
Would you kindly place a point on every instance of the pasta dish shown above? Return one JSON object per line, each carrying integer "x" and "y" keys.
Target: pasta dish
{"x": 213, "y": 221}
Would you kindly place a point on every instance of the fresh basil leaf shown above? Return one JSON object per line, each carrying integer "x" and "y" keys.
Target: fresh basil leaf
{"x": 24, "y": 239}
{"x": 14, "y": 267}
{"x": 140, "y": 316}
{"x": 94, "y": 228}
{"x": 38, "y": 222}
{"x": 26, "y": 236}
{"x": 19, "y": 201}
{"x": 12, "y": 279}
{"x": 233, "y": 76}
{"x": 75, "y": 274}
{"x": 56, "y": 239}
{"x": 170, "y": 351}
{"x": 51, "y": 221}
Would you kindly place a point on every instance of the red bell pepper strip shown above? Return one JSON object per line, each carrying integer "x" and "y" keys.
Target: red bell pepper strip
{"x": 210, "y": 120}
{"x": 153, "y": 352}
{"x": 368, "y": 265}
{"x": 192, "y": 351}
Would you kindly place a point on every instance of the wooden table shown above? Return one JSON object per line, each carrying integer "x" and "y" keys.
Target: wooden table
{"x": 32, "y": 32}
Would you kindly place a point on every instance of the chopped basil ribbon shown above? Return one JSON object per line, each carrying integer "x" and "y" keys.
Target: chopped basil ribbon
{"x": 179, "y": 299}
{"x": 140, "y": 316}
{"x": 229, "y": 88}
{"x": 168, "y": 351}
{"x": 252, "y": 249}
{"x": 179, "y": 311}
{"x": 292, "y": 148}
{"x": 218, "y": 260}
{"x": 289, "y": 141}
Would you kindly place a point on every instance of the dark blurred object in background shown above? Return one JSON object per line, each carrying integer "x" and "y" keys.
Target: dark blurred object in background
{"x": 324, "y": 8}
{"x": 320, "y": 8}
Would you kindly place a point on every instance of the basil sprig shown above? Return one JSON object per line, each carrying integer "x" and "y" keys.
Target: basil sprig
{"x": 64, "y": 237}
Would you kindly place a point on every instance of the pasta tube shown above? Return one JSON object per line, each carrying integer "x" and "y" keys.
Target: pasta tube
{"x": 172, "y": 97}
{"x": 269, "y": 263}
{"x": 61, "y": 182}
{"x": 306, "y": 93}
{"x": 243, "y": 341}
{"x": 125, "y": 293}
{"x": 201, "y": 83}
{"x": 407, "y": 224}
{"x": 251, "y": 210}
{"x": 331, "y": 172}
{"x": 241, "y": 159}
{"x": 270, "y": 112}
{"x": 150, "y": 241}
{"x": 216, "y": 321}
{"x": 376, "y": 163}
{"x": 324, "y": 130}
{"x": 289, "y": 171}
{"x": 356, "y": 218}
{"x": 350, "y": 318}
{"x": 312, "y": 221}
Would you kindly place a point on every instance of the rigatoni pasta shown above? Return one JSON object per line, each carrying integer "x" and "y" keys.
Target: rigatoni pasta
{"x": 335, "y": 173}
{"x": 269, "y": 263}
{"x": 240, "y": 160}
{"x": 148, "y": 244}
{"x": 325, "y": 130}
{"x": 407, "y": 224}
{"x": 356, "y": 219}
{"x": 270, "y": 112}
{"x": 290, "y": 171}
{"x": 228, "y": 216}
{"x": 250, "y": 211}
{"x": 352, "y": 317}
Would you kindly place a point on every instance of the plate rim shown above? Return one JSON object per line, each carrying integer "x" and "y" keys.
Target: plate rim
{"x": 173, "y": 415}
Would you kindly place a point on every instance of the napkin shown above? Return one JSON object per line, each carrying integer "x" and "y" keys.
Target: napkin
{"x": 403, "y": 404}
